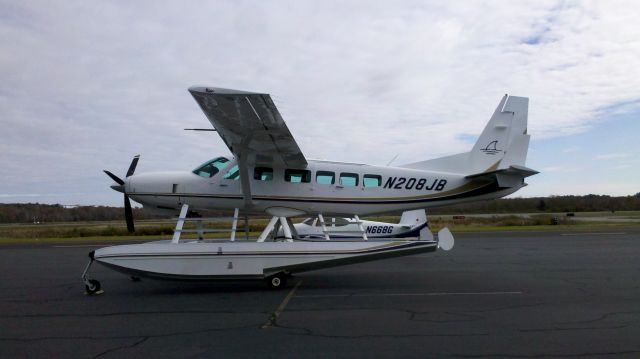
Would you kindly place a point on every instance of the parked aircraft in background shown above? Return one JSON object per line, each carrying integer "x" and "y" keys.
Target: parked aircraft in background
{"x": 412, "y": 224}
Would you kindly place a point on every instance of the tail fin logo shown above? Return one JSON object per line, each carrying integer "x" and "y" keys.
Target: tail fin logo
{"x": 491, "y": 148}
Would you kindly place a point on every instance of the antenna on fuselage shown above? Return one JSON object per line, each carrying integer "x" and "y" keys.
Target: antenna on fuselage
{"x": 393, "y": 159}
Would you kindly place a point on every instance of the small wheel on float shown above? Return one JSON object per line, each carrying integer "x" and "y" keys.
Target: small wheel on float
{"x": 93, "y": 287}
{"x": 277, "y": 281}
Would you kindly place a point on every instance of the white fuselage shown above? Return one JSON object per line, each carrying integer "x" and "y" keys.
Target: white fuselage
{"x": 399, "y": 189}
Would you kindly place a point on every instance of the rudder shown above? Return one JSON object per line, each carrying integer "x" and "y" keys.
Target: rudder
{"x": 414, "y": 217}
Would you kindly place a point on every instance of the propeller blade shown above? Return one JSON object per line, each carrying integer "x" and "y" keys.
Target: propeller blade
{"x": 132, "y": 167}
{"x": 115, "y": 178}
{"x": 128, "y": 214}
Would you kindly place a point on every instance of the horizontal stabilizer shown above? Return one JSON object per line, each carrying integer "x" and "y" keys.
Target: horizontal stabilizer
{"x": 508, "y": 177}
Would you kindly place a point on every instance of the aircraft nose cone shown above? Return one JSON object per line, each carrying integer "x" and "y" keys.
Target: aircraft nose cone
{"x": 118, "y": 187}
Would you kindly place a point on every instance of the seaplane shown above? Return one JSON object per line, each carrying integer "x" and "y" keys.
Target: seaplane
{"x": 267, "y": 174}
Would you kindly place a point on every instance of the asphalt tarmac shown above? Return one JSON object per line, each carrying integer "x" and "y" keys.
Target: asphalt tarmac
{"x": 511, "y": 295}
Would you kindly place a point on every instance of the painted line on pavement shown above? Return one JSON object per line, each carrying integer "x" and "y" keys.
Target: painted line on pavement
{"x": 592, "y": 233}
{"x": 430, "y": 294}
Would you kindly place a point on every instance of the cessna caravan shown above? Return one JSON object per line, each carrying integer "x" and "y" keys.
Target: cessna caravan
{"x": 268, "y": 174}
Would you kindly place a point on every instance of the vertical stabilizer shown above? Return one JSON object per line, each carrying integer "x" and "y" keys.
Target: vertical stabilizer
{"x": 504, "y": 141}
{"x": 413, "y": 218}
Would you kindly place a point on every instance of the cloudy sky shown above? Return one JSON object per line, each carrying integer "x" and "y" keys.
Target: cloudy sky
{"x": 85, "y": 85}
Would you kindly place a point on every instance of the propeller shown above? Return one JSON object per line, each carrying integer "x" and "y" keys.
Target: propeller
{"x": 128, "y": 213}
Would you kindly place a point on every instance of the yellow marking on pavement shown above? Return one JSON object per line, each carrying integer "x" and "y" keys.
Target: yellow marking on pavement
{"x": 274, "y": 316}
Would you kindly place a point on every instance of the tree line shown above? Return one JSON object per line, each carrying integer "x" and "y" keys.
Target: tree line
{"x": 44, "y": 213}
{"x": 552, "y": 204}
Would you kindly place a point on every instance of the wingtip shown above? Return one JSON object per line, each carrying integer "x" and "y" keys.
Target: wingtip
{"x": 218, "y": 90}
{"x": 197, "y": 89}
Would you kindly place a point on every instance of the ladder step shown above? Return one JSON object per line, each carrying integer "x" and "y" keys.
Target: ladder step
{"x": 193, "y": 219}
{"x": 203, "y": 230}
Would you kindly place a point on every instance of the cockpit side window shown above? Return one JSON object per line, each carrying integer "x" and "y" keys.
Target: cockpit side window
{"x": 210, "y": 168}
{"x": 233, "y": 174}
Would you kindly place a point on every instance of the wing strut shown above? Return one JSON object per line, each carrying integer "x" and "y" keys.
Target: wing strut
{"x": 245, "y": 181}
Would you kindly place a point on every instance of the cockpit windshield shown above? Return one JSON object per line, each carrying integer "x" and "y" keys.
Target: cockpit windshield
{"x": 210, "y": 168}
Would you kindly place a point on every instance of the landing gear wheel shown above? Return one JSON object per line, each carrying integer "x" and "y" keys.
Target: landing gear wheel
{"x": 135, "y": 279}
{"x": 93, "y": 287}
{"x": 277, "y": 281}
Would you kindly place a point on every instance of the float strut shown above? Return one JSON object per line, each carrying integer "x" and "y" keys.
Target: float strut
{"x": 324, "y": 227}
{"x": 361, "y": 227}
{"x": 268, "y": 229}
{"x": 234, "y": 225}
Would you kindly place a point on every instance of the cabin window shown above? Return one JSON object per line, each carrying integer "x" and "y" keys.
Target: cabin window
{"x": 311, "y": 222}
{"x": 348, "y": 179}
{"x": 325, "y": 177}
{"x": 233, "y": 174}
{"x": 263, "y": 174}
{"x": 372, "y": 180}
{"x": 210, "y": 168}
{"x": 297, "y": 176}
{"x": 340, "y": 222}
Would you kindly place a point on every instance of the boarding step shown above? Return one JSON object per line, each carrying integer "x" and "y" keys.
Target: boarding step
{"x": 200, "y": 230}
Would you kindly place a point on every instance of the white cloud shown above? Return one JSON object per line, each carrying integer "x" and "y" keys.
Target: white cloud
{"x": 612, "y": 156}
{"x": 560, "y": 169}
{"x": 572, "y": 149}
{"x": 85, "y": 86}
{"x": 621, "y": 167}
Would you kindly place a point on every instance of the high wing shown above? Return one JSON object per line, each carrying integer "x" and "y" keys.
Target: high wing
{"x": 251, "y": 126}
